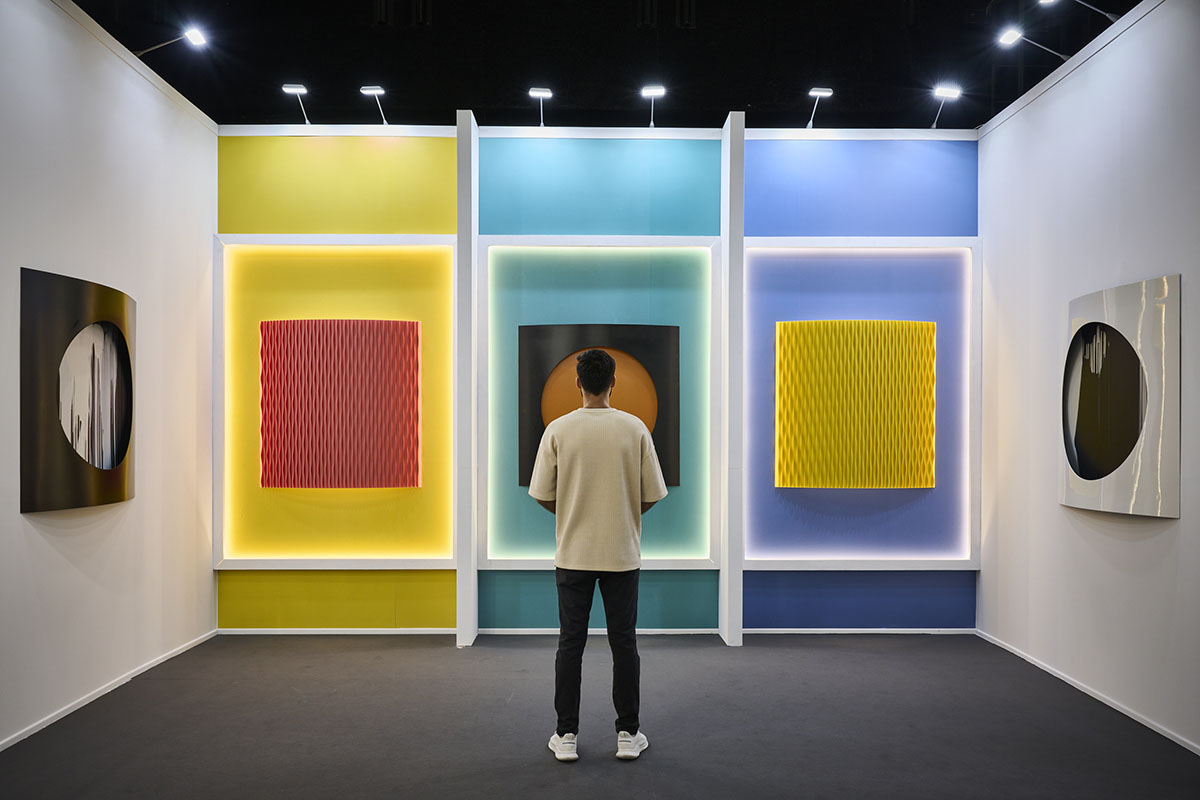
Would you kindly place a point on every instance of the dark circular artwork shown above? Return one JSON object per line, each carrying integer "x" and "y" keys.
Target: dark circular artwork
{"x": 634, "y": 394}
{"x": 1104, "y": 400}
{"x": 94, "y": 391}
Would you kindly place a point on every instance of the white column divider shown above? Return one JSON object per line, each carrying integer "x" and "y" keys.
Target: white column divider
{"x": 218, "y": 406}
{"x": 466, "y": 387}
{"x": 733, "y": 254}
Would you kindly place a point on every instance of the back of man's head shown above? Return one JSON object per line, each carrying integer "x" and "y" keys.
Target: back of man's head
{"x": 595, "y": 369}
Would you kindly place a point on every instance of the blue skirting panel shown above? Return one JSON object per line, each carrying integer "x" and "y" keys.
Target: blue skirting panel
{"x": 636, "y": 187}
{"x": 862, "y": 188}
{"x": 914, "y": 599}
{"x": 666, "y": 599}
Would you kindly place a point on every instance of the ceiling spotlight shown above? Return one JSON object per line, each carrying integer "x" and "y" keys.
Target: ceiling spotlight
{"x": 193, "y": 35}
{"x": 944, "y": 92}
{"x": 817, "y": 93}
{"x": 375, "y": 91}
{"x": 541, "y": 94}
{"x": 1010, "y": 36}
{"x": 297, "y": 89}
{"x": 1111, "y": 17}
{"x": 653, "y": 92}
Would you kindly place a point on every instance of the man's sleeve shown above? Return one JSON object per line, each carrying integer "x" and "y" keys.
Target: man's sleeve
{"x": 654, "y": 488}
{"x": 544, "y": 483}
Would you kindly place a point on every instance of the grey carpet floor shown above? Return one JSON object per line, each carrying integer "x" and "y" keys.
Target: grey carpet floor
{"x": 860, "y": 716}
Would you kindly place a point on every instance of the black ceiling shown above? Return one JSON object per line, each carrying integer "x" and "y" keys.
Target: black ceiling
{"x": 881, "y": 57}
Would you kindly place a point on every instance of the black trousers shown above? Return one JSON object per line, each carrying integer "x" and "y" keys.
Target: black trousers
{"x": 619, "y": 591}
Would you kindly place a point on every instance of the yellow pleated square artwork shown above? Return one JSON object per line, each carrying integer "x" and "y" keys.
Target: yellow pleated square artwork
{"x": 855, "y": 403}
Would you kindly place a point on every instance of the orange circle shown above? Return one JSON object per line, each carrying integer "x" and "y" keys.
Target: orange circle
{"x": 634, "y": 392}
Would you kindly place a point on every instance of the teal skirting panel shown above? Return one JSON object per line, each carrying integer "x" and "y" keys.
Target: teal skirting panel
{"x": 666, "y": 599}
{"x": 633, "y": 187}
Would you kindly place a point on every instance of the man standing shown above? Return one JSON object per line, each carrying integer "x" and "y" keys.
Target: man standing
{"x": 597, "y": 472}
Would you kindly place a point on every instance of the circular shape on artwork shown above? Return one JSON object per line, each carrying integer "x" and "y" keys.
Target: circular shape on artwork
{"x": 634, "y": 393}
{"x": 1104, "y": 400}
{"x": 95, "y": 395}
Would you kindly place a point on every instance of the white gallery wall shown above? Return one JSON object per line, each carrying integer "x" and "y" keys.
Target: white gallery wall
{"x": 1091, "y": 181}
{"x": 106, "y": 174}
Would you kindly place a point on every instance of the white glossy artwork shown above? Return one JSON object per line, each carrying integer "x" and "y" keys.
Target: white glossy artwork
{"x": 1120, "y": 400}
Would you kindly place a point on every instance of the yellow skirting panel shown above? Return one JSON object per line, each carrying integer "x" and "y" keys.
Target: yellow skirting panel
{"x": 336, "y": 184}
{"x": 855, "y": 404}
{"x": 336, "y": 599}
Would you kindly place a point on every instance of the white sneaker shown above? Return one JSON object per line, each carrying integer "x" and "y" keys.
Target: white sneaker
{"x": 631, "y": 745}
{"x": 564, "y": 747}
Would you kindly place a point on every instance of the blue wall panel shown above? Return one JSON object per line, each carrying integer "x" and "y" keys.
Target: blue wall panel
{"x": 640, "y": 187}
{"x": 862, "y": 188}
{"x": 666, "y": 599}
{"x": 913, "y": 599}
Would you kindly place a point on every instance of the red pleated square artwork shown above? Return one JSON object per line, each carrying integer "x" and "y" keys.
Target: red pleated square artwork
{"x": 341, "y": 403}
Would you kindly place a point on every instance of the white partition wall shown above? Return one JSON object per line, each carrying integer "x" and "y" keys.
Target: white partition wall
{"x": 729, "y": 394}
{"x": 467, "y": 323}
{"x": 1091, "y": 181}
{"x": 109, "y": 176}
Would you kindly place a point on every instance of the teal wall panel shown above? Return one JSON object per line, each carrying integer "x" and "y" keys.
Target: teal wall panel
{"x": 615, "y": 285}
{"x": 659, "y": 187}
{"x": 666, "y": 599}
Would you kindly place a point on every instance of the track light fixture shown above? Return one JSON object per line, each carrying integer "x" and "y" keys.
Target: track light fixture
{"x": 1010, "y": 36}
{"x": 194, "y": 36}
{"x": 652, "y": 92}
{"x": 541, "y": 94}
{"x": 297, "y": 89}
{"x": 375, "y": 91}
{"x": 1111, "y": 17}
{"x": 817, "y": 93}
{"x": 944, "y": 92}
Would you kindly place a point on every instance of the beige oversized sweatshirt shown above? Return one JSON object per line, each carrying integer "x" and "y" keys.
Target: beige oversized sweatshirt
{"x": 598, "y": 465}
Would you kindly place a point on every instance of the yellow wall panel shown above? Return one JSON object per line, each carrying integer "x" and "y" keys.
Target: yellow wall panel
{"x": 855, "y": 403}
{"x": 337, "y": 282}
{"x": 336, "y": 599}
{"x": 336, "y": 184}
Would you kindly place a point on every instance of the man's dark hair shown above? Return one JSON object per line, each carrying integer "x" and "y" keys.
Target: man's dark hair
{"x": 595, "y": 369}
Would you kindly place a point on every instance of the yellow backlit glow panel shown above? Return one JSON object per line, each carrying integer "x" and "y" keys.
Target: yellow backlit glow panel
{"x": 854, "y": 404}
{"x": 336, "y": 599}
{"x": 336, "y": 282}
{"x": 336, "y": 184}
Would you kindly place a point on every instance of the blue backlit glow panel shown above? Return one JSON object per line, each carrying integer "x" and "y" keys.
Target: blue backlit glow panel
{"x": 930, "y": 285}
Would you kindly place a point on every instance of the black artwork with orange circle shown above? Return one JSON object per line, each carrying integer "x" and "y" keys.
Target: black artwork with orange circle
{"x": 647, "y": 385}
